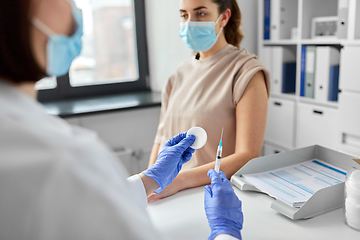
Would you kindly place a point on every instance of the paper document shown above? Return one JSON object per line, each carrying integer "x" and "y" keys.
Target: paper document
{"x": 295, "y": 184}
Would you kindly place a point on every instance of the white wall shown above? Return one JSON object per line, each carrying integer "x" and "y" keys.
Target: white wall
{"x": 250, "y": 22}
{"x": 166, "y": 49}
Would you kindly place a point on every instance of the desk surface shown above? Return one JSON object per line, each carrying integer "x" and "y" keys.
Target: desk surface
{"x": 182, "y": 216}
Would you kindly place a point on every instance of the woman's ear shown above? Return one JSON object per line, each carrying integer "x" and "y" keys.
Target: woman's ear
{"x": 226, "y": 15}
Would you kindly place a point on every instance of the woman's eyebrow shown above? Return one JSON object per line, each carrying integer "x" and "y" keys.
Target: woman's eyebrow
{"x": 198, "y": 8}
{"x": 195, "y": 9}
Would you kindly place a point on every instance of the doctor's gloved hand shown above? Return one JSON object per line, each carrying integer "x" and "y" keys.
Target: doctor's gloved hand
{"x": 174, "y": 154}
{"x": 222, "y": 206}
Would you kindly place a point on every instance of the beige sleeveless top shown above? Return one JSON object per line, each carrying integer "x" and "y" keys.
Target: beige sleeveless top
{"x": 205, "y": 93}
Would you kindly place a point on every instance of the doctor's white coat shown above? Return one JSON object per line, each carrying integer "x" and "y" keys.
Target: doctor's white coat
{"x": 60, "y": 182}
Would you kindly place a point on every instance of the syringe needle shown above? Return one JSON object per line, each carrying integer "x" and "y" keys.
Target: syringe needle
{"x": 219, "y": 153}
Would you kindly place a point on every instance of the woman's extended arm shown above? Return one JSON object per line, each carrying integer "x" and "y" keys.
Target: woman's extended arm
{"x": 154, "y": 154}
{"x": 251, "y": 112}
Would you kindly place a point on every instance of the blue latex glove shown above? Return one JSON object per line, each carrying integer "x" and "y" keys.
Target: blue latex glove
{"x": 222, "y": 206}
{"x": 174, "y": 154}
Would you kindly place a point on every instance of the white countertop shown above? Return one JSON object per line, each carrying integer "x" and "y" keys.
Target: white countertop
{"x": 182, "y": 216}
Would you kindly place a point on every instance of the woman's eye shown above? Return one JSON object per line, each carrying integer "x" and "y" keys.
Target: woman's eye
{"x": 183, "y": 16}
{"x": 201, "y": 14}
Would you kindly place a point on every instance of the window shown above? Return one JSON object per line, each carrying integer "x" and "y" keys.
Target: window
{"x": 46, "y": 83}
{"x": 114, "y": 53}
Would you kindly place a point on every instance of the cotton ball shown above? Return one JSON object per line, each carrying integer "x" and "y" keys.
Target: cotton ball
{"x": 200, "y": 137}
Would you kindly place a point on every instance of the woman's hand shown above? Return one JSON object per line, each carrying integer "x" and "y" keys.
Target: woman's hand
{"x": 173, "y": 188}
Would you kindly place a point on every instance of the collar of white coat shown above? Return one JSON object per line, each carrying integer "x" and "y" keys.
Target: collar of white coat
{"x": 19, "y": 107}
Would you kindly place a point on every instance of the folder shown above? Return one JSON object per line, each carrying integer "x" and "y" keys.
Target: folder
{"x": 334, "y": 83}
{"x": 333, "y": 195}
{"x": 283, "y": 18}
{"x": 275, "y": 19}
{"x": 343, "y": 14}
{"x": 267, "y": 19}
{"x": 280, "y": 55}
{"x": 289, "y": 77}
{"x": 325, "y": 58}
{"x": 310, "y": 71}
{"x": 276, "y": 69}
{"x": 303, "y": 73}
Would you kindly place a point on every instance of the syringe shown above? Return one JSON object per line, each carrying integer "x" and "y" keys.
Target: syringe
{"x": 219, "y": 154}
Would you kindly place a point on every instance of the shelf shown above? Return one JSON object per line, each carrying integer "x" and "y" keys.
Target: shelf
{"x": 321, "y": 41}
{"x": 289, "y": 42}
{"x": 286, "y": 96}
{"x": 351, "y": 42}
{"x": 318, "y": 42}
{"x": 313, "y": 9}
{"x": 293, "y": 97}
{"x": 316, "y": 102}
{"x": 284, "y": 39}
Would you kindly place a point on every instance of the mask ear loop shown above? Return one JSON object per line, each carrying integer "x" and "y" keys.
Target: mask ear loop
{"x": 218, "y": 19}
{"x": 42, "y": 27}
{"x": 217, "y": 23}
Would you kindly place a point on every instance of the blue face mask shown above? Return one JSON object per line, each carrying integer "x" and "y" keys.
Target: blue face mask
{"x": 62, "y": 50}
{"x": 199, "y": 36}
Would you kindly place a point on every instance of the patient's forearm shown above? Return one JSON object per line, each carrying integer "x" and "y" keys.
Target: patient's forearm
{"x": 230, "y": 165}
{"x": 154, "y": 154}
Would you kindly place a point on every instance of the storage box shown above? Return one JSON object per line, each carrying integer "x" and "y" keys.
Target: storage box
{"x": 324, "y": 200}
{"x": 324, "y": 27}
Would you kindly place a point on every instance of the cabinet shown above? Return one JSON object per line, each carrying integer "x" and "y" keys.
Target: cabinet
{"x": 317, "y": 125}
{"x": 269, "y": 149}
{"x": 298, "y": 116}
{"x": 349, "y": 122}
{"x": 129, "y": 133}
{"x": 280, "y": 130}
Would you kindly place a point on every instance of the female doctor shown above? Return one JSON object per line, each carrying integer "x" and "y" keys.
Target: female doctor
{"x": 61, "y": 182}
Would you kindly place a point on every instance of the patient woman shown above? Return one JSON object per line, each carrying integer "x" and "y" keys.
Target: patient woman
{"x": 221, "y": 86}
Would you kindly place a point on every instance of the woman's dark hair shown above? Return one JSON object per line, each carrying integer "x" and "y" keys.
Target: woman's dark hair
{"x": 233, "y": 33}
{"x": 17, "y": 61}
